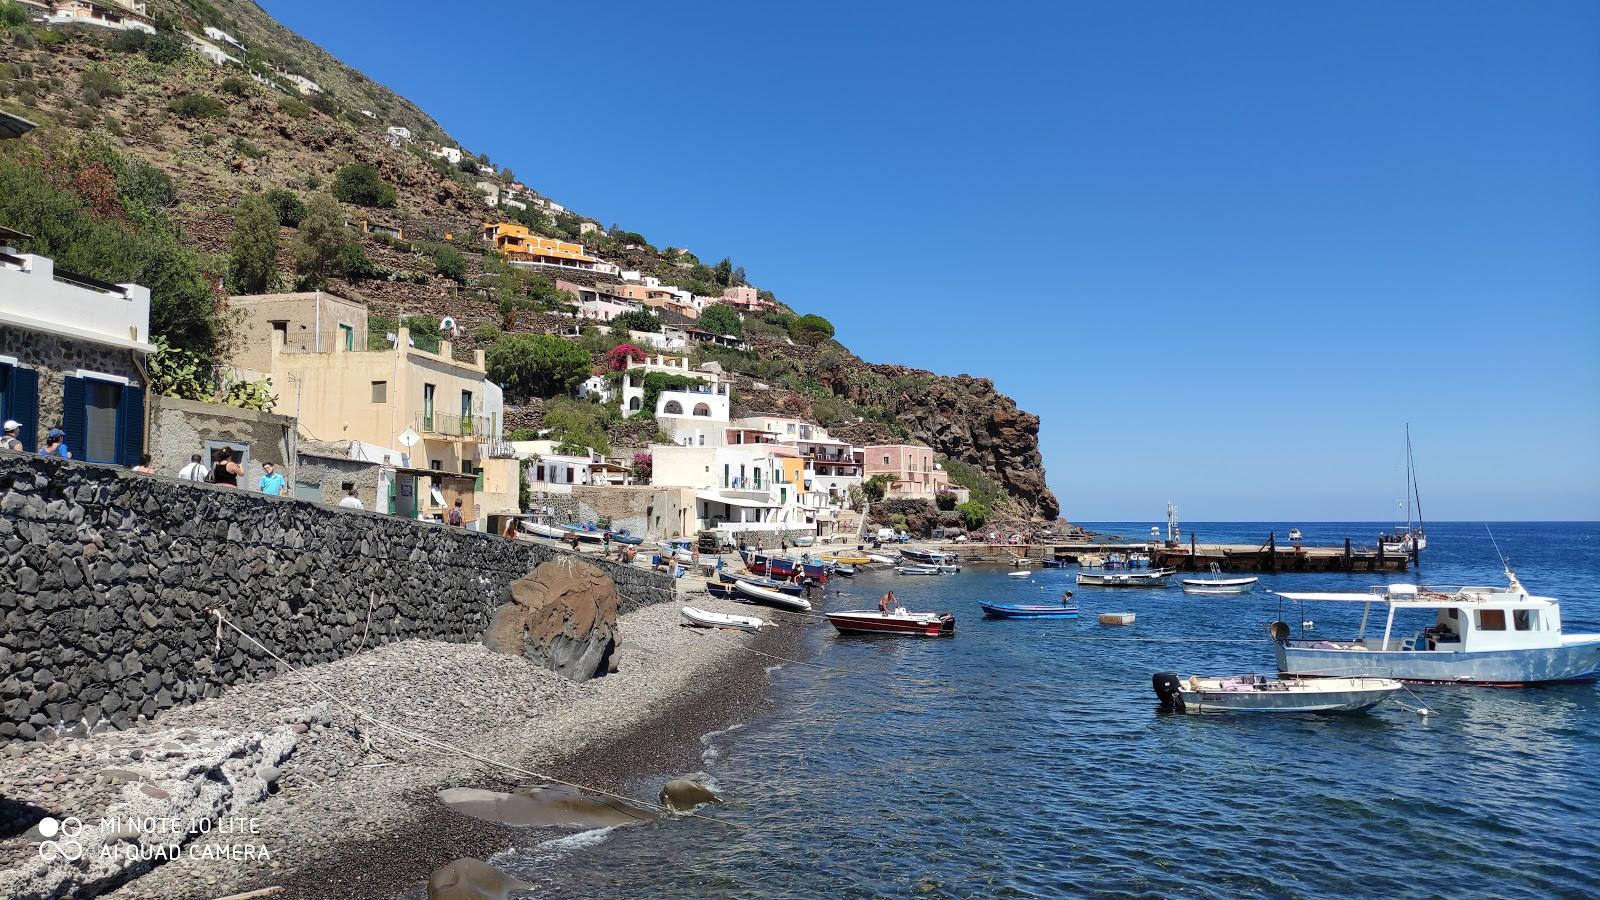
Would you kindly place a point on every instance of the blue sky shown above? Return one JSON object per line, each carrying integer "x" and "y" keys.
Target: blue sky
{"x": 1225, "y": 250}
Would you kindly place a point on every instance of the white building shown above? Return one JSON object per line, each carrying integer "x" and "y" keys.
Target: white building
{"x": 451, "y": 155}
{"x": 122, "y": 15}
{"x": 71, "y": 351}
{"x": 742, "y": 488}
{"x": 597, "y": 388}
{"x": 222, "y": 37}
{"x": 608, "y": 268}
{"x": 561, "y": 472}
{"x": 304, "y": 85}
{"x": 398, "y": 135}
{"x": 213, "y": 53}
{"x": 490, "y": 192}
{"x": 695, "y": 417}
{"x": 632, "y": 396}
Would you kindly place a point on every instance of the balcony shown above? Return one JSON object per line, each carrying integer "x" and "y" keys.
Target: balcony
{"x": 474, "y": 428}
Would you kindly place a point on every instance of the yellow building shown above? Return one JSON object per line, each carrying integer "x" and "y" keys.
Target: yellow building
{"x": 440, "y": 412}
{"x": 523, "y": 246}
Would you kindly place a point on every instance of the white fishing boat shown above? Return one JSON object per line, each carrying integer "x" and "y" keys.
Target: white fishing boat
{"x": 1216, "y": 584}
{"x": 947, "y": 568}
{"x": 540, "y": 529}
{"x": 917, "y": 570}
{"x": 880, "y": 559}
{"x": 1124, "y": 577}
{"x": 707, "y": 619}
{"x": 771, "y": 597}
{"x": 1468, "y": 635}
{"x": 1020, "y": 573}
{"x": 1294, "y": 534}
{"x": 1260, "y": 694}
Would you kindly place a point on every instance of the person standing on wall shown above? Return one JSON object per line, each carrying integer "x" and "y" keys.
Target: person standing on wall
{"x": 195, "y": 470}
{"x": 454, "y": 518}
{"x": 272, "y": 481}
{"x": 350, "y": 500}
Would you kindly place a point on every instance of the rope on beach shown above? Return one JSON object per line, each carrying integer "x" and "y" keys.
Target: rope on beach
{"x": 443, "y": 745}
{"x": 798, "y": 662}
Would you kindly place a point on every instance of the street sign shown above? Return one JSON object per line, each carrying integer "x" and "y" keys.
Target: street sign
{"x": 408, "y": 438}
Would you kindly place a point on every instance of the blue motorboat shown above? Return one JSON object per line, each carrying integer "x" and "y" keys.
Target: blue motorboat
{"x": 787, "y": 587}
{"x": 623, "y": 537}
{"x": 1028, "y": 611}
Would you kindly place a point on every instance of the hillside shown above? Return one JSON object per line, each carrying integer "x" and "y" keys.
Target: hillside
{"x": 221, "y": 135}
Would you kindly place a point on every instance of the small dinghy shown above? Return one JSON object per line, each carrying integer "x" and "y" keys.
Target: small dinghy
{"x": 707, "y": 619}
{"x": 880, "y": 559}
{"x": 1216, "y": 584}
{"x": 917, "y": 570}
{"x": 623, "y": 537}
{"x": 946, "y": 569}
{"x": 1028, "y": 611}
{"x": 898, "y": 621}
{"x": 1260, "y": 694}
{"x": 771, "y": 597}
{"x": 1020, "y": 573}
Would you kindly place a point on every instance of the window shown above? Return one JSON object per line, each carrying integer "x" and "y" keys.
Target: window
{"x": 281, "y": 326}
{"x": 673, "y": 408}
{"x": 1491, "y": 619}
{"x": 100, "y": 400}
{"x": 539, "y": 474}
{"x": 427, "y": 408}
{"x": 436, "y": 465}
{"x": 1526, "y": 619}
{"x": 103, "y": 416}
{"x": 347, "y": 336}
{"x": 700, "y": 409}
{"x": 380, "y": 392}
{"x": 569, "y": 474}
{"x": 633, "y": 404}
{"x": 19, "y": 399}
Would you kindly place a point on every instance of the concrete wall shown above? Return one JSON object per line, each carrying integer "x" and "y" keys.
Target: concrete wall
{"x": 313, "y": 319}
{"x": 109, "y": 578}
{"x": 179, "y": 428}
{"x": 325, "y": 477}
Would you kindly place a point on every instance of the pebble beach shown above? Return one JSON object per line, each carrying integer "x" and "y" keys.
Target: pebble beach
{"x": 324, "y": 803}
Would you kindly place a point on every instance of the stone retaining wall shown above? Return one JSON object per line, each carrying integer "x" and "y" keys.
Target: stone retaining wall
{"x": 109, "y": 578}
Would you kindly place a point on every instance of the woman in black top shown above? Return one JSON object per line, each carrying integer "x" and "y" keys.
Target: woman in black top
{"x": 226, "y": 472}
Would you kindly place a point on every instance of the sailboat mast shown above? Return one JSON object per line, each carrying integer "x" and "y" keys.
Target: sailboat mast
{"x": 1408, "y": 476}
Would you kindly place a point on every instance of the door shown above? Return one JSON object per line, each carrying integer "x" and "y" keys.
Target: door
{"x": 427, "y": 407}
{"x": 466, "y": 413}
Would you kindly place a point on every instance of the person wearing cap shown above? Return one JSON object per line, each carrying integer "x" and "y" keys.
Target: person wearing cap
{"x": 11, "y": 441}
{"x": 55, "y": 444}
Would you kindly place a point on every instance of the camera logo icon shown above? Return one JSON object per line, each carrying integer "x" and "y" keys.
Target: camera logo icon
{"x": 60, "y": 838}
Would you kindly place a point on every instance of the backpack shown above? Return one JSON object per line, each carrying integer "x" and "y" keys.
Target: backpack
{"x": 455, "y": 516}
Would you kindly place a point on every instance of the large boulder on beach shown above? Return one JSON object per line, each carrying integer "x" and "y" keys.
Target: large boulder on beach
{"x": 563, "y": 615}
{"x": 472, "y": 879}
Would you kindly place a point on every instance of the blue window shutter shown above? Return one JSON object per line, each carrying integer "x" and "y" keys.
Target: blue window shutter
{"x": 72, "y": 414}
{"x": 130, "y": 426}
{"x": 22, "y": 404}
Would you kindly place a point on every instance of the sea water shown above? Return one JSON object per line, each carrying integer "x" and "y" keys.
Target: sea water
{"x": 1029, "y": 758}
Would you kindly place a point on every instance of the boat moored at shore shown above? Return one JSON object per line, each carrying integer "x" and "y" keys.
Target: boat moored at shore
{"x": 1124, "y": 577}
{"x": 1260, "y": 694}
{"x": 898, "y": 621}
{"x": 1216, "y": 584}
{"x": 1028, "y": 611}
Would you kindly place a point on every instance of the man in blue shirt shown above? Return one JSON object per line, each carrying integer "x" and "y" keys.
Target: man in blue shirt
{"x": 272, "y": 483}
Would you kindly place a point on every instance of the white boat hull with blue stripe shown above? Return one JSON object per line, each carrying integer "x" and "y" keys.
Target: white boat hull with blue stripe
{"x": 1477, "y": 635}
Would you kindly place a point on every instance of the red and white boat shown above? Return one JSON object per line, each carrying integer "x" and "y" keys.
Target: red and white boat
{"x": 870, "y": 621}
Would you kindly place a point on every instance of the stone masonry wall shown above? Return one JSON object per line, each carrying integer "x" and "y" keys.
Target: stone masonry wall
{"x": 108, "y": 580}
{"x": 56, "y": 357}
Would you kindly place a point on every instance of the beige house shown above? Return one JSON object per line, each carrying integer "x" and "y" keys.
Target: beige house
{"x": 440, "y": 415}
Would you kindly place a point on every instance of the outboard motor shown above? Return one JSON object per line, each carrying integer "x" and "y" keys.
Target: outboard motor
{"x": 1169, "y": 688}
{"x": 1279, "y": 631}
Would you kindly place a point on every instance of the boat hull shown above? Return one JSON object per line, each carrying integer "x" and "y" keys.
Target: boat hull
{"x": 771, "y": 598}
{"x": 1202, "y": 587}
{"x": 868, "y": 622}
{"x": 1022, "y": 611}
{"x": 1576, "y": 661}
{"x": 1323, "y": 702}
{"x": 1124, "y": 579}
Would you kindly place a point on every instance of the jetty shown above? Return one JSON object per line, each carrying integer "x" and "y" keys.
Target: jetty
{"x": 1194, "y": 556}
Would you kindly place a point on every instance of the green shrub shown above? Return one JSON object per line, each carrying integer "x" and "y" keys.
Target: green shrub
{"x": 248, "y": 148}
{"x": 163, "y": 47}
{"x": 238, "y": 87}
{"x": 294, "y": 109}
{"x": 811, "y": 330}
{"x": 720, "y": 318}
{"x": 449, "y": 263}
{"x": 636, "y": 320}
{"x": 253, "y": 249}
{"x": 579, "y": 424}
{"x": 12, "y": 15}
{"x": 360, "y": 183}
{"x": 325, "y": 104}
{"x": 288, "y": 205}
{"x": 198, "y": 106}
{"x": 97, "y": 84}
{"x": 536, "y": 365}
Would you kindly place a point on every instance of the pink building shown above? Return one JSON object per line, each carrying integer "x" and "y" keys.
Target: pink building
{"x": 915, "y": 473}
{"x": 746, "y": 298}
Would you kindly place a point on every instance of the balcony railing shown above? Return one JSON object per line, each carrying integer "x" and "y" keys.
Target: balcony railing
{"x": 444, "y": 424}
